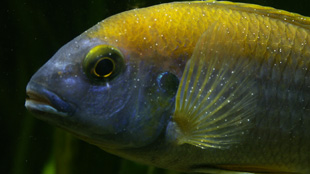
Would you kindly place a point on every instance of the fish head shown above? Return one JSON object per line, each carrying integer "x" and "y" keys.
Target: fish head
{"x": 103, "y": 94}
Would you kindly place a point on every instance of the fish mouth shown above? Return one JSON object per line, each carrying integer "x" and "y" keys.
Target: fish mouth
{"x": 43, "y": 101}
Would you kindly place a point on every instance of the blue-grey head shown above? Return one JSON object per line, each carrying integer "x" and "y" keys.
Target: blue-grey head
{"x": 103, "y": 93}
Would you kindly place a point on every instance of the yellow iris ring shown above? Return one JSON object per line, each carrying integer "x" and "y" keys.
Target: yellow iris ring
{"x": 97, "y": 63}
{"x": 107, "y": 75}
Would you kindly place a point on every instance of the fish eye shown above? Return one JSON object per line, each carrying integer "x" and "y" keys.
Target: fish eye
{"x": 103, "y": 63}
{"x": 104, "y": 67}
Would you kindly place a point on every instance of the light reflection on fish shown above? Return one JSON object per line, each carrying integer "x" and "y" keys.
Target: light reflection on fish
{"x": 190, "y": 86}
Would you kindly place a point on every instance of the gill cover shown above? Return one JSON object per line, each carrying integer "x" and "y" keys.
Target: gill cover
{"x": 129, "y": 99}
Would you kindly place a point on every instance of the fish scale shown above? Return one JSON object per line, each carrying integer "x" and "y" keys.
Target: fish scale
{"x": 239, "y": 78}
{"x": 261, "y": 38}
{"x": 175, "y": 39}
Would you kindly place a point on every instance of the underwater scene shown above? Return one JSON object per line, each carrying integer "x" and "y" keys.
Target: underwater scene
{"x": 32, "y": 32}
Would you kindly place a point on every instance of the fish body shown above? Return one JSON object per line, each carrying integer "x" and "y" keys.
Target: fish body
{"x": 191, "y": 86}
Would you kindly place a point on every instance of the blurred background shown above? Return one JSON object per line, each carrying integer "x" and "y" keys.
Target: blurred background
{"x": 31, "y": 32}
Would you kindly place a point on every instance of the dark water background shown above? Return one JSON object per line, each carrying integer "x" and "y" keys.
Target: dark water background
{"x": 31, "y": 32}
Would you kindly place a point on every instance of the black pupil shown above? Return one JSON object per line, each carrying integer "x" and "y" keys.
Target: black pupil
{"x": 104, "y": 67}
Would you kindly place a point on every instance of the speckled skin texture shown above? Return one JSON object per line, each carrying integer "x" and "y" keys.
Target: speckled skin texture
{"x": 170, "y": 31}
{"x": 135, "y": 117}
{"x": 166, "y": 35}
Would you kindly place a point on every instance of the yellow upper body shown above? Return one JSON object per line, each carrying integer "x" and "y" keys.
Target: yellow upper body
{"x": 169, "y": 32}
{"x": 166, "y": 36}
{"x": 192, "y": 86}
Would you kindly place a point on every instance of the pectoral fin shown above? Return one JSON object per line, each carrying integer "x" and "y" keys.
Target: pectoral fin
{"x": 216, "y": 98}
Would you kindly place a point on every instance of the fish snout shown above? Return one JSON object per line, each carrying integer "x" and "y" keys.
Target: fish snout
{"x": 41, "y": 100}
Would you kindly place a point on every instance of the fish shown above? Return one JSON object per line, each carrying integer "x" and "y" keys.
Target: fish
{"x": 202, "y": 86}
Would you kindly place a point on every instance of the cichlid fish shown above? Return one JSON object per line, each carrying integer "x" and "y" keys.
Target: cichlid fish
{"x": 208, "y": 87}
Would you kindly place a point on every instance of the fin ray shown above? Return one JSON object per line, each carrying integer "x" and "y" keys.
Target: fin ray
{"x": 214, "y": 102}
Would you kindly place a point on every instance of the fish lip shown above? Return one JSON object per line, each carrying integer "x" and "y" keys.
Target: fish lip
{"x": 43, "y": 101}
